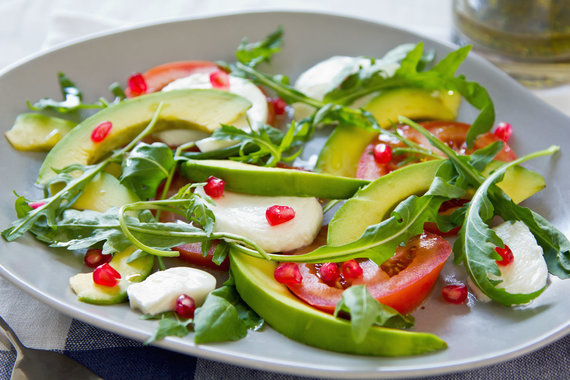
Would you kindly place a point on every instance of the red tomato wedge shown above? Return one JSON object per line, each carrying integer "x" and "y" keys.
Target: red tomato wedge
{"x": 159, "y": 76}
{"x": 451, "y": 133}
{"x": 192, "y": 253}
{"x": 403, "y": 282}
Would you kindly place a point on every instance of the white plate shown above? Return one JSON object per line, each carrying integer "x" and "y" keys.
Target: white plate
{"x": 477, "y": 334}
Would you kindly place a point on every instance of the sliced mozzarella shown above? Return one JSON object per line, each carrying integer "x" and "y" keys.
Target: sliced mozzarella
{"x": 528, "y": 272}
{"x": 244, "y": 215}
{"x": 255, "y": 115}
{"x": 159, "y": 291}
{"x": 328, "y": 74}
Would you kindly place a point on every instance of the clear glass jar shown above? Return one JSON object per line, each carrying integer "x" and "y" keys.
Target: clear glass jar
{"x": 530, "y": 39}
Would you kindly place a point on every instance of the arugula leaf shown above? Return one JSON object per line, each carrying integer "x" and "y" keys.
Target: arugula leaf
{"x": 170, "y": 324}
{"x": 199, "y": 213}
{"x": 441, "y": 76}
{"x": 145, "y": 167}
{"x": 365, "y": 311}
{"x": 224, "y": 317}
{"x": 476, "y": 242}
{"x": 251, "y": 54}
{"x": 270, "y": 142}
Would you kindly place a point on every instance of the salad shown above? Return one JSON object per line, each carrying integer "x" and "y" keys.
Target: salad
{"x": 202, "y": 161}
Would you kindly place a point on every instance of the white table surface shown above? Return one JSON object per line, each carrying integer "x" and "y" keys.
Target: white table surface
{"x": 28, "y": 26}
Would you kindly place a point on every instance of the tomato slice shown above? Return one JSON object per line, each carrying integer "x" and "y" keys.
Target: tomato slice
{"x": 403, "y": 289}
{"x": 192, "y": 253}
{"x": 452, "y": 133}
{"x": 159, "y": 76}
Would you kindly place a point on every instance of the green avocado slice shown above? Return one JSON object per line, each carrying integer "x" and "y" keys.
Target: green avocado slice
{"x": 373, "y": 203}
{"x": 196, "y": 109}
{"x": 342, "y": 150}
{"x": 297, "y": 320}
{"x": 136, "y": 271}
{"x": 37, "y": 132}
{"x": 257, "y": 180}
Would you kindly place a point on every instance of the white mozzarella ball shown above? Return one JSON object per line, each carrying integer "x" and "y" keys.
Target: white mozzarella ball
{"x": 159, "y": 291}
{"x": 527, "y": 272}
{"x": 244, "y": 215}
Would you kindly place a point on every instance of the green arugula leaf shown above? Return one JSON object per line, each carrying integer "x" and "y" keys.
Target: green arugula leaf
{"x": 441, "y": 76}
{"x": 477, "y": 242}
{"x": 365, "y": 311}
{"x": 145, "y": 167}
{"x": 224, "y": 317}
{"x": 251, "y": 54}
{"x": 271, "y": 144}
{"x": 170, "y": 324}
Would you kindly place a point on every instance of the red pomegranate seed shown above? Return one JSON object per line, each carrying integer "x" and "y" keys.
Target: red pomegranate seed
{"x": 279, "y": 106}
{"x": 504, "y": 131}
{"x": 137, "y": 84}
{"x": 276, "y": 215}
{"x": 329, "y": 272}
{"x": 95, "y": 257}
{"x": 351, "y": 269}
{"x": 220, "y": 80}
{"x": 101, "y": 131}
{"x": 215, "y": 187}
{"x": 37, "y": 204}
{"x": 185, "y": 306}
{"x": 454, "y": 293}
{"x": 288, "y": 273}
{"x": 506, "y": 255}
{"x": 382, "y": 153}
{"x": 106, "y": 275}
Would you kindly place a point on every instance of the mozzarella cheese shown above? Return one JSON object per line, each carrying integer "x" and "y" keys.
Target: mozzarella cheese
{"x": 244, "y": 215}
{"x": 328, "y": 74}
{"x": 528, "y": 271}
{"x": 239, "y": 86}
{"x": 159, "y": 291}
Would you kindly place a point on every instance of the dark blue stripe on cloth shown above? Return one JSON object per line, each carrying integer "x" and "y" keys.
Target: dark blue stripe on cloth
{"x": 112, "y": 356}
{"x": 7, "y": 360}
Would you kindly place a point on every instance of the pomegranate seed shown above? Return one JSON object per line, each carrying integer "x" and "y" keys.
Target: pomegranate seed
{"x": 329, "y": 272}
{"x": 37, "y": 204}
{"x": 220, "y": 80}
{"x": 454, "y": 293}
{"x": 504, "y": 131}
{"x": 279, "y": 106}
{"x": 101, "y": 131}
{"x": 382, "y": 153}
{"x": 351, "y": 269}
{"x": 215, "y": 187}
{"x": 185, "y": 306}
{"x": 288, "y": 273}
{"x": 276, "y": 215}
{"x": 137, "y": 84}
{"x": 106, "y": 275}
{"x": 506, "y": 255}
{"x": 95, "y": 257}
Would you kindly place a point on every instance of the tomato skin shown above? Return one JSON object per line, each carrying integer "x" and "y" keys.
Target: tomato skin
{"x": 403, "y": 291}
{"x": 192, "y": 253}
{"x": 159, "y": 76}
{"x": 452, "y": 133}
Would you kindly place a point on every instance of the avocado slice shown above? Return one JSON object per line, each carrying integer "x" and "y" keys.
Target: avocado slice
{"x": 197, "y": 109}
{"x": 258, "y": 180}
{"x": 342, "y": 150}
{"x": 373, "y": 203}
{"x": 36, "y": 132}
{"x": 299, "y": 321}
{"x": 135, "y": 271}
{"x": 104, "y": 192}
